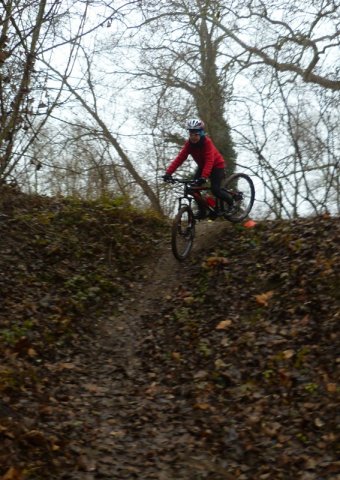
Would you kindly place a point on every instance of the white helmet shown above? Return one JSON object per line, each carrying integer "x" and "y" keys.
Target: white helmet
{"x": 195, "y": 124}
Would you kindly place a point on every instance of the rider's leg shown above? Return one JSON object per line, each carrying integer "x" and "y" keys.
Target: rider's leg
{"x": 202, "y": 213}
{"x": 216, "y": 177}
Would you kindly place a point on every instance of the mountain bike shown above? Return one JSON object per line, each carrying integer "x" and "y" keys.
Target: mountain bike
{"x": 195, "y": 204}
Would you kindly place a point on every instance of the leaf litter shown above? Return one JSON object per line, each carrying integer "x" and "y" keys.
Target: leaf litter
{"x": 224, "y": 367}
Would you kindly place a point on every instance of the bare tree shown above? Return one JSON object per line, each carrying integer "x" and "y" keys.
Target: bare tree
{"x": 291, "y": 133}
{"x": 283, "y": 52}
{"x": 180, "y": 59}
{"x": 17, "y": 70}
{"x": 192, "y": 63}
{"x": 263, "y": 77}
{"x": 294, "y": 38}
{"x": 28, "y": 32}
{"x": 88, "y": 100}
{"x": 76, "y": 160}
{"x": 285, "y": 60}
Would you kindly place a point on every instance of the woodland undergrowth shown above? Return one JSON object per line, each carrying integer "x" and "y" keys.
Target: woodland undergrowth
{"x": 248, "y": 337}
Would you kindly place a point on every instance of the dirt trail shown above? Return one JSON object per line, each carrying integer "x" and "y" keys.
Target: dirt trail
{"x": 123, "y": 424}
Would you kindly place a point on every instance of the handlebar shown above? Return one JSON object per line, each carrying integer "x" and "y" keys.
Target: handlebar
{"x": 182, "y": 180}
{"x": 188, "y": 181}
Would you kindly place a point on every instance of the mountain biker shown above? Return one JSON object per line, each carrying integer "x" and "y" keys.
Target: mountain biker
{"x": 210, "y": 163}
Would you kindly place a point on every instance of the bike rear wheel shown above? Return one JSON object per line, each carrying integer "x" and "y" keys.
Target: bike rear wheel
{"x": 242, "y": 189}
{"x": 183, "y": 233}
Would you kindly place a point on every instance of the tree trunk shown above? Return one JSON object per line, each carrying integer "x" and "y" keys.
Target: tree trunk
{"x": 210, "y": 99}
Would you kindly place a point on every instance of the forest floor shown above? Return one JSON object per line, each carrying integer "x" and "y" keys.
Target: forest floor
{"x": 222, "y": 367}
{"x": 135, "y": 428}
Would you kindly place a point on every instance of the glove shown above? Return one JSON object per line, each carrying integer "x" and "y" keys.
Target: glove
{"x": 201, "y": 181}
{"x": 167, "y": 178}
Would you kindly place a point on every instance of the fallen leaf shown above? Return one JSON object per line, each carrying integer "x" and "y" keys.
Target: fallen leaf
{"x": 66, "y": 366}
{"x": 223, "y": 325}
{"x": 319, "y": 423}
{"x": 264, "y": 298}
{"x": 200, "y": 374}
{"x": 212, "y": 262}
{"x": 220, "y": 364}
{"x": 287, "y": 354}
{"x": 189, "y": 300}
{"x": 117, "y": 433}
{"x": 176, "y": 356}
{"x": 94, "y": 388}
{"x": 202, "y": 406}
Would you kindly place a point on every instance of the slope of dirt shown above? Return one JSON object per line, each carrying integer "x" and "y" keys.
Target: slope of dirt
{"x": 222, "y": 367}
{"x": 247, "y": 346}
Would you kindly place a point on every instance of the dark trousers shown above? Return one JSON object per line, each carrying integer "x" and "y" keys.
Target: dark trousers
{"x": 216, "y": 177}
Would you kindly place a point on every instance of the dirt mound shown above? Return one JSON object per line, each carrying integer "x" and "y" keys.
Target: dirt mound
{"x": 247, "y": 346}
{"x": 221, "y": 367}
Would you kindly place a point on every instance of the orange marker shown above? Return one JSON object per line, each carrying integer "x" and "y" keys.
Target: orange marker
{"x": 249, "y": 224}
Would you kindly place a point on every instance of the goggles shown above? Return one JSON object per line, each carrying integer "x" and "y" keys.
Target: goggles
{"x": 194, "y": 132}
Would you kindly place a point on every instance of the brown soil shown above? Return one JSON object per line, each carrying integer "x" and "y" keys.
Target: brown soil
{"x": 220, "y": 367}
{"x": 120, "y": 427}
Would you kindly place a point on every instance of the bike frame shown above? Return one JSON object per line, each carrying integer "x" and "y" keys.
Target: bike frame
{"x": 194, "y": 192}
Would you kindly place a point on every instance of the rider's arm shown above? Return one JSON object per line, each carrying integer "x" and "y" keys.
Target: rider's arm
{"x": 181, "y": 157}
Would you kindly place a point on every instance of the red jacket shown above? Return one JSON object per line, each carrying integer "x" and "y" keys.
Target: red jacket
{"x": 205, "y": 155}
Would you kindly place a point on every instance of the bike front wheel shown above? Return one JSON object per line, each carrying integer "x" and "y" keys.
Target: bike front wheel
{"x": 240, "y": 186}
{"x": 183, "y": 233}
